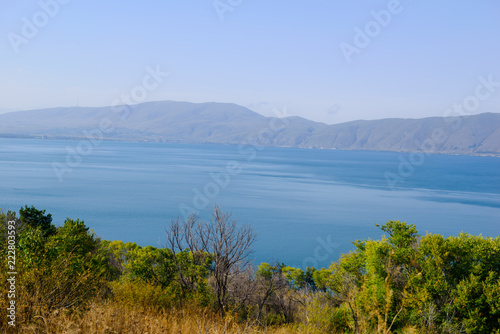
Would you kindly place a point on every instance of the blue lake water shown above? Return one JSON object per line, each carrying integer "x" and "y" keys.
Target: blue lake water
{"x": 306, "y": 205}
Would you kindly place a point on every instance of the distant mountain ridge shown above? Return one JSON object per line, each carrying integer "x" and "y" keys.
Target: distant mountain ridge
{"x": 226, "y": 123}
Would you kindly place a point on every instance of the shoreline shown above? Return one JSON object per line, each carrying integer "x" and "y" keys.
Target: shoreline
{"x": 157, "y": 141}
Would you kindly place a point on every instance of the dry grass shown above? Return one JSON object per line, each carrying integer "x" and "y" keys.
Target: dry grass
{"x": 113, "y": 318}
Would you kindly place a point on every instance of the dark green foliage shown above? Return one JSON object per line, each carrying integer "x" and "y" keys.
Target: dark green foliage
{"x": 56, "y": 269}
{"x": 37, "y": 219}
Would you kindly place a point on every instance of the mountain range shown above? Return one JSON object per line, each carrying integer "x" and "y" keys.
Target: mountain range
{"x": 226, "y": 123}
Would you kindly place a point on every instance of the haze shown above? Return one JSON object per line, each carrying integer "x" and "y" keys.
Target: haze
{"x": 266, "y": 55}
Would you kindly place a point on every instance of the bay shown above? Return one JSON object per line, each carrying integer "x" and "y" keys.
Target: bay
{"x": 306, "y": 205}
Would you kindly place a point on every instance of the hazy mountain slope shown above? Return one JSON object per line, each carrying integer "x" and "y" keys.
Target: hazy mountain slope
{"x": 228, "y": 123}
{"x": 175, "y": 121}
{"x": 464, "y": 135}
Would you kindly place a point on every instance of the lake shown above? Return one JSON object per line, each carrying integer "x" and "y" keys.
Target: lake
{"x": 305, "y": 204}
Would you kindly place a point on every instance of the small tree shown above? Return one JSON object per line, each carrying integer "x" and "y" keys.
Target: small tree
{"x": 37, "y": 218}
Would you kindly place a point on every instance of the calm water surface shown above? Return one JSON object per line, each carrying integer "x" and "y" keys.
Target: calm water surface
{"x": 306, "y": 205}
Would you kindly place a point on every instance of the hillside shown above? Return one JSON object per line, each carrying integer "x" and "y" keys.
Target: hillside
{"x": 68, "y": 280}
{"x": 225, "y": 123}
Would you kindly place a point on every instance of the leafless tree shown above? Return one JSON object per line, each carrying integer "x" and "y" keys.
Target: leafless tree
{"x": 229, "y": 244}
{"x": 182, "y": 235}
{"x": 242, "y": 289}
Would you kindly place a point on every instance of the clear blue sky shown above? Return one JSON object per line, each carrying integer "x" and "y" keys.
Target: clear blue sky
{"x": 264, "y": 54}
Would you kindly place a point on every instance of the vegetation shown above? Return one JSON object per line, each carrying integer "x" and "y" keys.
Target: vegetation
{"x": 70, "y": 281}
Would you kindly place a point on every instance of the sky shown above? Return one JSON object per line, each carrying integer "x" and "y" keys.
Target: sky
{"x": 329, "y": 61}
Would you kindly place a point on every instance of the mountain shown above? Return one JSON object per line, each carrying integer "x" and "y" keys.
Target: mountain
{"x": 226, "y": 123}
